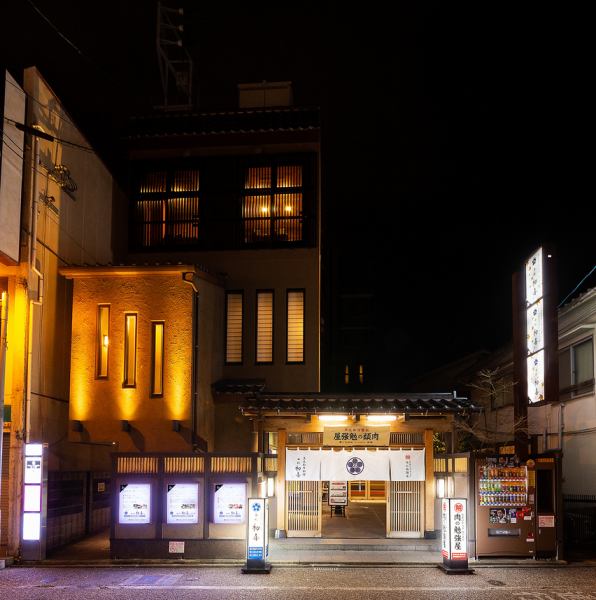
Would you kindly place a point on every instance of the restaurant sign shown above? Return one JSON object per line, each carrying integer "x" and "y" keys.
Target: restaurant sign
{"x": 356, "y": 435}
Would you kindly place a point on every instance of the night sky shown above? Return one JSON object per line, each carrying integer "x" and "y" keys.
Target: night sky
{"x": 454, "y": 139}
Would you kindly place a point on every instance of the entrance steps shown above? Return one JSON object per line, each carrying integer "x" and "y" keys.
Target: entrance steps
{"x": 326, "y": 545}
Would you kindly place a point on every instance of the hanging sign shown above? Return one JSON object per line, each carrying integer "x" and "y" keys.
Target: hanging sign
{"x": 229, "y": 502}
{"x": 303, "y": 465}
{"x": 355, "y": 465}
{"x": 356, "y": 435}
{"x": 134, "y": 503}
{"x": 407, "y": 465}
{"x": 183, "y": 503}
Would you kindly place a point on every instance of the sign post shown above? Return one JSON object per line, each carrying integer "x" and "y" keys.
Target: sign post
{"x": 35, "y": 479}
{"x": 454, "y": 536}
{"x": 257, "y": 537}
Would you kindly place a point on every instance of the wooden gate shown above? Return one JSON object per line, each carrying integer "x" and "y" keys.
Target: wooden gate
{"x": 303, "y": 508}
{"x": 405, "y": 509}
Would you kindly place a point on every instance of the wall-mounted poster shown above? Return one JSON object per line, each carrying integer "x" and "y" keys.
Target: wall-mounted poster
{"x": 183, "y": 503}
{"x": 135, "y": 503}
{"x": 229, "y": 502}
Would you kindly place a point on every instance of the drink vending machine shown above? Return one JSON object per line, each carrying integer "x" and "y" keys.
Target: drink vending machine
{"x": 505, "y": 506}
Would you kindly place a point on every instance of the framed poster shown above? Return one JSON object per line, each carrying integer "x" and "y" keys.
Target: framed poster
{"x": 229, "y": 503}
{"x": 182, "y": 503}
{"x": 134, "y": 503}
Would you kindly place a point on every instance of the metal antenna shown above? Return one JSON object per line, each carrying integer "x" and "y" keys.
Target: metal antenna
{"x": 175, "y": 63}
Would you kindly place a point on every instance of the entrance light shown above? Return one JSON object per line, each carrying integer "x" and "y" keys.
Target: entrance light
{"x": 381, "y": 418}
{"x": 333, "y": 417}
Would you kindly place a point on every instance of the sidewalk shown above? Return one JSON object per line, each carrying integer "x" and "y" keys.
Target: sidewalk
{"x": 316, "y": 552}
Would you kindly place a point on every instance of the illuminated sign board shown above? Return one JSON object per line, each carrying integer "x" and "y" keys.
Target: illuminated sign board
{"x": 32, "y": 492}
{"x": 229, "y": 503}
{"x": 535, "y": 326}
{"x": 454, "y": 534}
{"x": 134, "y": 503}
{"x": 257, "y": 538}
{"x": 356, "y": 435}
{"x": 182, "y": 503}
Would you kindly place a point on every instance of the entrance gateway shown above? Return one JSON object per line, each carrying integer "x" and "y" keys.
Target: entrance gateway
{"x": 375, "y": 508}
{"x": 321, "y": 438}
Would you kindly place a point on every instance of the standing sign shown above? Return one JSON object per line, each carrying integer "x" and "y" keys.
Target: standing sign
{"x": 32, "y": 492}
{"x": 338, "y": 493}
{"x": 257, "y": 536}
{"x": 229, "y": 502}
{"x": 183, "y": 503}
{"x": 134, "y": 503}
{"x": 454, "y": 535}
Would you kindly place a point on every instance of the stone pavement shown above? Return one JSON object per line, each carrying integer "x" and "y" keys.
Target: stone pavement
{"x": 94, "y": 551}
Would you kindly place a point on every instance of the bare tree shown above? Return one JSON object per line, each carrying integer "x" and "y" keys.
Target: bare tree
{"x": 489, "y": 429}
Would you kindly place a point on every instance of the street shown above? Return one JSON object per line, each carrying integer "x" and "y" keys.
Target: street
{"x": 299, "y": 583}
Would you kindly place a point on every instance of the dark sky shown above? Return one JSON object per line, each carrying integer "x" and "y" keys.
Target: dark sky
{"x": 454, "y": 138}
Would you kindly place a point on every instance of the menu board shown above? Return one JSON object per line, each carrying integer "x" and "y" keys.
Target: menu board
{"x": 229, "y": 503}
{"x": 134, "y": 503}
{"x": 183, "y": 503}
{"x": 338, "y": 493}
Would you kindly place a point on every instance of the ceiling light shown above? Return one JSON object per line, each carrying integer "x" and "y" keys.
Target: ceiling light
{"x": 381, "y": 418}
{"x": 333, "y": 417}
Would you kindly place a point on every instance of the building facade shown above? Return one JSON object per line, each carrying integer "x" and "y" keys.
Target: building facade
{"x": 56, "y": 209}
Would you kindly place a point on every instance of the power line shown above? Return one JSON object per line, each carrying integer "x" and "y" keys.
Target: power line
{"x": 46, "y": 136}
{"x": 56, "y": 30}
{"x": 576, "y": 287}
{"x": 46, "y": 106}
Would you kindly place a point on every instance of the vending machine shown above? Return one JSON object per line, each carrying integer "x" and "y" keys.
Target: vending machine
{"x": 505, "y": 506}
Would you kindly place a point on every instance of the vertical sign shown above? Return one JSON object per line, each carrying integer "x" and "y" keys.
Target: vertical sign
{"x": 34, "y": 478}
{"x": 454, "y": 535}
{"x": 257, "y": 536}
{"x": 535, "y": 326}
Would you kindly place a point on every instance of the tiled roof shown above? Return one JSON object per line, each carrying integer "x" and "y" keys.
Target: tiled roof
{"x": 359, "y": 404}
{"x": 245, "y": 121}
{"x": 239, "y": 386}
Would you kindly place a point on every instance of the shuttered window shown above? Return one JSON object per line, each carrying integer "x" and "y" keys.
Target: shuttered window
{"x": 264, "y": 327}
{"x": 272, "y": 204}
{"x": 295, "y": 320}
{"x": 234, "y": 301}
{"x": 167, "y": 208}
{"x": 103, "y": 340}
{"x": 130, "y": 350}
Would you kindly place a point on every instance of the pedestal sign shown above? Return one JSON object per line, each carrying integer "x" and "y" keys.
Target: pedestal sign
{"x": 35, "y": 478}
{"x": 454, "y": 536}
{"x": 257, "y": 536}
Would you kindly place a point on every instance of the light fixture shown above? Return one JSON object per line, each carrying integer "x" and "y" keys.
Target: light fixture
{"x": 106, "y": 341}
{"x": 125, "y": 425}
{"x": 288, "y": 208}
{"x": 333, "y": 417}
{"x": 381, "y": 418}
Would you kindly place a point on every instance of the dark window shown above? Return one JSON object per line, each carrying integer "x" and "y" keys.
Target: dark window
{"x": 576, "y": 369}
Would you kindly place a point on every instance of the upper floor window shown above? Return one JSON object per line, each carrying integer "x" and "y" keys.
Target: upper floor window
{"x": 167, "y": 208}
{"x": 295, "y": 326}
{"x": 234, "y": 301}
{"x": 272, "y": 204}
{"x": 264, "y": 338}
{"x": 576, "y": 368}
{"x": 130, "y": 350}
{"x": 103, "y": 340}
